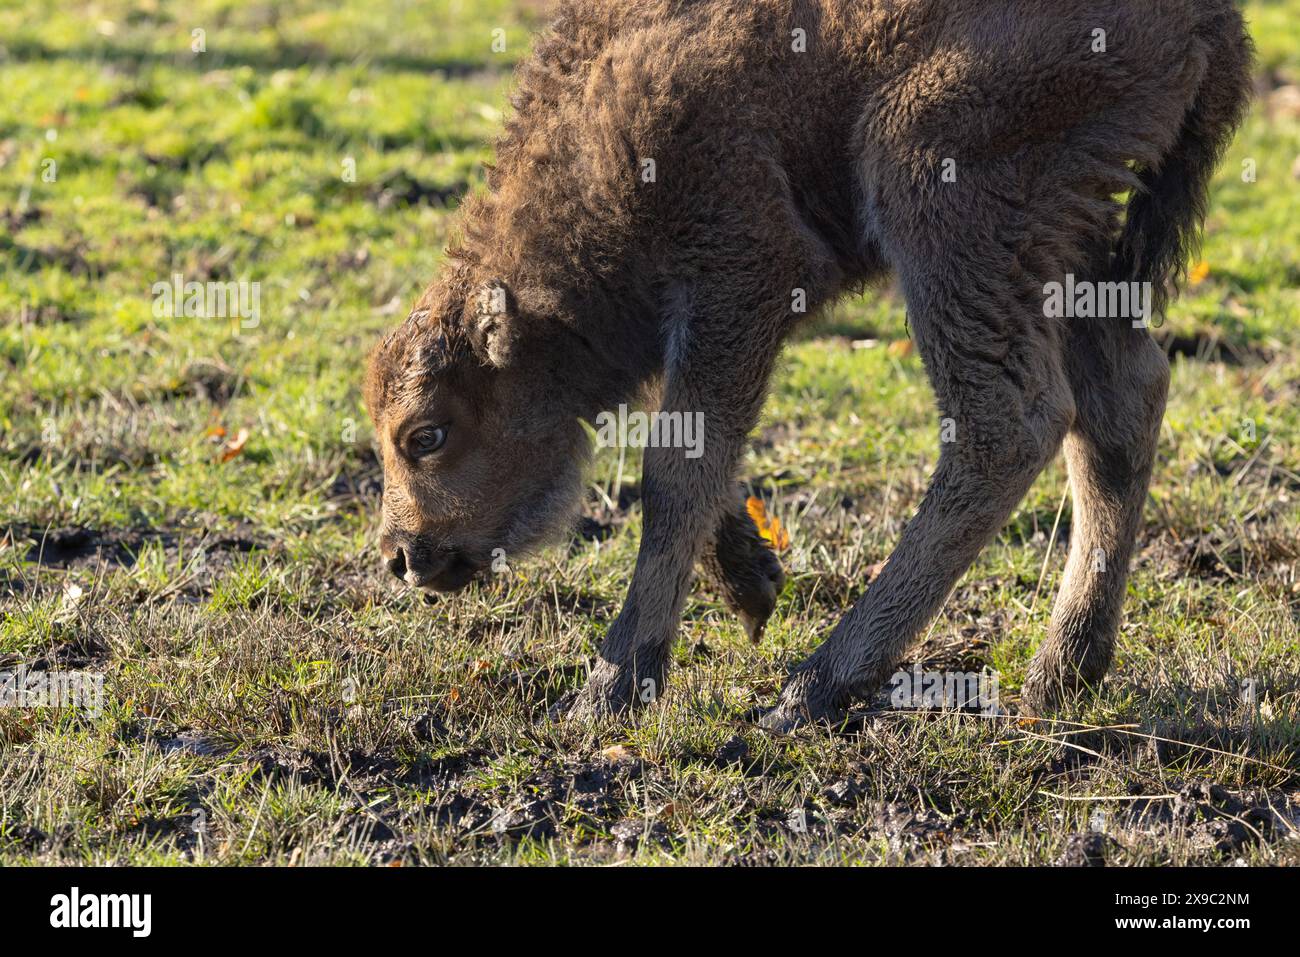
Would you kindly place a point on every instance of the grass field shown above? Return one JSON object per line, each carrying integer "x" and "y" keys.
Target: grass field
{"x": 188, "y": 507}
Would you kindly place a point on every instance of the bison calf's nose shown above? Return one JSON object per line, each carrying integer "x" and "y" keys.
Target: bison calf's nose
{"x": 397, "y": 563}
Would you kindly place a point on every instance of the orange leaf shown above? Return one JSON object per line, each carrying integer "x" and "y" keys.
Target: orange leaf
{"x": 768, "y": 528}
{"x": 900, "y": 348}
{"x": 778, "y": 536}
{"x": 1198, "y": 273}
{"x": 234, "y": 445}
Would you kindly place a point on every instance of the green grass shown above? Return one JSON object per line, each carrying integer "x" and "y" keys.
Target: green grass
{"x": 270, "y": 697}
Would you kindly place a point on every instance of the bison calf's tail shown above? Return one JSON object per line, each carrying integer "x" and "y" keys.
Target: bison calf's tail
{"x": 1164, "y": 216}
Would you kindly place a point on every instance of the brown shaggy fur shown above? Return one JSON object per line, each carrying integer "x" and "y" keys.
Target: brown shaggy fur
{"x": 583, "y": 283}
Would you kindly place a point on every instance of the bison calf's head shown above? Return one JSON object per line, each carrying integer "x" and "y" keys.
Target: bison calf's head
{"x": 482, "y": 458}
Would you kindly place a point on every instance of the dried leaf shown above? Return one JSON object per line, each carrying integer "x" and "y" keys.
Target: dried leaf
{"x": 900, "y": 348}
{"x": 768, "y": 528}
{"x": 234, "y": 446}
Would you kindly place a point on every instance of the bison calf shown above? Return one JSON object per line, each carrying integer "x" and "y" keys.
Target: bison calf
{"x": 680, "y": 177}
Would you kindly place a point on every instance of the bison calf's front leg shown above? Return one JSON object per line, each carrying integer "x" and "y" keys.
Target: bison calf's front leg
{"x": 680, "y": 510}
{"x": 679, "y": 506}
{"x": 685, "y": 496}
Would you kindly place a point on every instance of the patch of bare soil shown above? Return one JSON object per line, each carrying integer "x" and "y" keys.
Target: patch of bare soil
{"x": 13, "y": 219}
{"x": 587, "y": 795}
{"x": 1212, "y": 817}
{"x": 1262, "y": 553}
{"x": 205, "y": 557}
{"x": 1204, "y": 346}
{"x": 1088, "y": 849}
{"x": 82, "y": 547}
{"x": 597, "y": 520}
{"x": 71, "y": 649}
{"x": 364, "y": 485}
{"x": 910, "y": 832}
{"x": 402, "y": 189}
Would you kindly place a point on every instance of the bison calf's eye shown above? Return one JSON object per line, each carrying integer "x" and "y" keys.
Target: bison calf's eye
{"x": 426, "y": 441}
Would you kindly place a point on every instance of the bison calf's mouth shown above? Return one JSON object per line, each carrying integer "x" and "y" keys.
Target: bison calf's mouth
{"x": 445, "y": 571}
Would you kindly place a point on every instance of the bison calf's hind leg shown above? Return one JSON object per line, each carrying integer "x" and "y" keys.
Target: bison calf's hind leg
{"x": 994, "y": 362}
{"x": 742, "y": 566}
{"x": 1120, "y": 378}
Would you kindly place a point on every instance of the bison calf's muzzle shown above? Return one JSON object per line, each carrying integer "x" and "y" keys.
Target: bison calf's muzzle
{"x": 444, "y": 570}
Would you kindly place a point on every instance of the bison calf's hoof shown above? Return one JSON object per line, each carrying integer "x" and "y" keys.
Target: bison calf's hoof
{"x": 805, "y": 700}
{"x": 746, "y": 571}
{"x": 1048, "y": 689}
{"x": 615, "y": 690}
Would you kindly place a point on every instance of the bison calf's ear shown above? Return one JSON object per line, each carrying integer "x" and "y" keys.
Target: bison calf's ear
{"x": 492, "y": 327}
